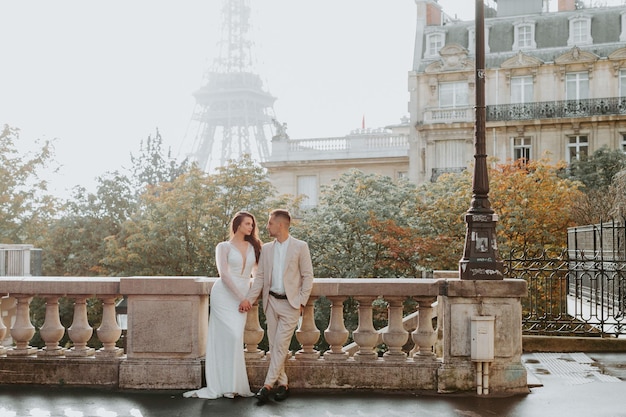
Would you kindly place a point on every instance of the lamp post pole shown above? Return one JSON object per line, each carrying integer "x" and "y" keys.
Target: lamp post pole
{"x": 480, "y": 255}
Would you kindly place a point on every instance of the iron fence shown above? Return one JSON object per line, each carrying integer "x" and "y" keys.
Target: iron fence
{"x": 580, "y": 290}
{"x": 556, "y": 109}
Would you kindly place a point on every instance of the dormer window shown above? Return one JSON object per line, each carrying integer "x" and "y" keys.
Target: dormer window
{"x": 579, "y": 31}
{"x": 524, "y": 37}
{"x": 471, "y": 40}
{"x": 434, "y": 42}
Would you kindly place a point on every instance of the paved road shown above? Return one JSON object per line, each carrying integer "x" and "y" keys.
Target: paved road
{"x": 569, "y": 385}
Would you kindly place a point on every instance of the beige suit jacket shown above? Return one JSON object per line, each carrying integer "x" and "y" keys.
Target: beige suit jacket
{"x": 297, "y": 277}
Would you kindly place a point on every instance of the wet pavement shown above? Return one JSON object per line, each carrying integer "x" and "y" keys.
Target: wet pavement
{"x": 571, "y": 384}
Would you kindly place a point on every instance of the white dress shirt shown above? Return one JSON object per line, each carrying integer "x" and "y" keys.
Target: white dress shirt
{"x": 280, "y": 252}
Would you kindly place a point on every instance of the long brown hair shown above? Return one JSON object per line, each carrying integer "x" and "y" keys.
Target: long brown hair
{"x": 253, "y": 237}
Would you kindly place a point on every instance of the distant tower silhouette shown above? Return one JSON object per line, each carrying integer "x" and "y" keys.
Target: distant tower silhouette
{"x": 233, "y": 113}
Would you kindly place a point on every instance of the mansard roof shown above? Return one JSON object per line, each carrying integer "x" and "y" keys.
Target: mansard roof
{"x": 551, "y": 35}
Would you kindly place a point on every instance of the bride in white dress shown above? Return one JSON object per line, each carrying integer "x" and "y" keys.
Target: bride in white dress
{"x": 236, "y": 259}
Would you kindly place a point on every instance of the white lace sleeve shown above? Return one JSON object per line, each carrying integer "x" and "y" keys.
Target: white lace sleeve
{"x": 221, "y": 259}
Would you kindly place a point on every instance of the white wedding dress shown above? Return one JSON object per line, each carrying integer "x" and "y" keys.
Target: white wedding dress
{"x": 226, "y": 374}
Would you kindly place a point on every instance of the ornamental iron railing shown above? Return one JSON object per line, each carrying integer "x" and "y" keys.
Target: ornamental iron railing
{"x": 580, "y": 291}
{"x": 557, "y": 109}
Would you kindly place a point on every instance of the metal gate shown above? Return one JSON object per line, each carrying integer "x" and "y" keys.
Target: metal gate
{"x": 580, "y": 291}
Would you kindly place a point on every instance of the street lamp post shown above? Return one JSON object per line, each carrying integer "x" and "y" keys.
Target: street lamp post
{"x": 480, "y": 255}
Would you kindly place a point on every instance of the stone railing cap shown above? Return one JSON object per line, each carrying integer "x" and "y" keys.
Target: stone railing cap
{"x": 61, "y": 286}
{"x": 165, "y": 285}
{"x": 506, "y": 288}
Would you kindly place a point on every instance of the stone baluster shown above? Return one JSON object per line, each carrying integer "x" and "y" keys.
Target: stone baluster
{"x": 22, "y": 330}
{"x": 396, "y": 336}
{"x": 253, "y": 334}
{"x": 80, "y": 331}
{"x": 52, "y": 330}
{"x": 365, "y": 335}
{"x": 3, "y": 330}
{"x": 308, "y": 334}
{"x": 109, "y": 331}
{"x": 424, "y": 336}
{"x": 336, "y": 334}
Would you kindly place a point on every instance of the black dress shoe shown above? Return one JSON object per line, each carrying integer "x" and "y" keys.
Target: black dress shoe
{"x": 282, "y": 393}
{"x": 263, "y": 395}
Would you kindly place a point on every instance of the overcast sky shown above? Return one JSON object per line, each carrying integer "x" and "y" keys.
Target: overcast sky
{"x": 98, "y": 77}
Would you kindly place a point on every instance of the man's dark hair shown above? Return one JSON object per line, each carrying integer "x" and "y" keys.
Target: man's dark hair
{"x": 281, "y": 213}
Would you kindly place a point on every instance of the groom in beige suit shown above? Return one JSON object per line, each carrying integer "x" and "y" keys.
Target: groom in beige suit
{"x": 284, "y": 277}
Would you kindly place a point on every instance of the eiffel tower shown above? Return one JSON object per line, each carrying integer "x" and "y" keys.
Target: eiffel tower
{"x": 233, "y": 115}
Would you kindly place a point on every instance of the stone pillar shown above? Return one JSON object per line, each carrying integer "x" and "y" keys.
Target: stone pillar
{"x": 365, "y": 336}
{"x": 253, "y": 334}
{"x": 3, "y": 332}
{"x": 424, "y": 335}
{"x": 167, "y": 329}
{"x": 80, "y": 331}
{"x": 463, "y": 299}
{"x": 109, "y": 331}
{"x": 308, "y": 334}
{"x": 336, "y": 334}
{"x": 52, "y": 330}
{"x": 396, "y": 336}
{"x": 22, "y": 330}
{"x": 8, "y": 307}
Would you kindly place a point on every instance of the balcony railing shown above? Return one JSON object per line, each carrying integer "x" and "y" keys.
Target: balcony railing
{"x": 449, "y": 115}
{"x": 364, "y": 143}
{"x": 167, "y": 322}
{"x": 557, "y": 109}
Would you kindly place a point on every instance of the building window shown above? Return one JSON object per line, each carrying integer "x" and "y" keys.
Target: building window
{"x": 622, "y": 83}
{"x": 402, "y": 175}
{"x": 579, "y": 31}
{"x": 307, "y": 188}
{"x": 471, "y": 40}
{"x": 454, "y": 94}
{"x": 623, "y": 143}
{"x": 521, "y": 149}
{"x": 434, "y": 43}
{"x": 622, "y": 36}
{"x": 576, "y": 86}
{"x": 524, "y": 36}
{"x": 577, "y": 148}
{"x": 522, "y": 89}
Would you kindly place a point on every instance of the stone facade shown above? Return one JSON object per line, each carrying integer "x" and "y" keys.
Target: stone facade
{"x": 554, "y": 87}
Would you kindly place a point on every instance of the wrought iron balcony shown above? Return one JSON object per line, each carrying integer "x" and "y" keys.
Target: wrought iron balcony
{"x": 556, "y": 109}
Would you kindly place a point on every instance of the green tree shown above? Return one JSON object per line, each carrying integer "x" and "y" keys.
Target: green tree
{"x": 602, "y": 196}
{"x": 152, "y": 166}
{"x": 178, "y": 224}
{"x": 75, "y": 245}
{"x": 339, "y": 230}
{"x": 26, "y": 207}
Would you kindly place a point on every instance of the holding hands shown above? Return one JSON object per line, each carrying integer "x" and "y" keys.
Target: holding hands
{"x": 245, "y": 306}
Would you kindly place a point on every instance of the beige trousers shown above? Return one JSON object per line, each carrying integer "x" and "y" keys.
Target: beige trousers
{"x": 282, "y": 320}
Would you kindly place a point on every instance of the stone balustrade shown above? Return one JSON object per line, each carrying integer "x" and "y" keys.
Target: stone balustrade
{"x": 361, "y": 144}
{"x": 167, "y": 326}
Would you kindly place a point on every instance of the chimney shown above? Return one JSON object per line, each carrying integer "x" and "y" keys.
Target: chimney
{"x": 567, "y": 5}
{"x": 433, "y": 14}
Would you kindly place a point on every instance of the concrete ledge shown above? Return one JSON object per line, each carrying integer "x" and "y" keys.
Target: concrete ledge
{"x": 77, "y": 372}
{"x": 158, "y": 374}
{"x": 572, "y": 344}
{"x": 378, "y": 374}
